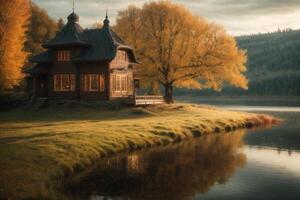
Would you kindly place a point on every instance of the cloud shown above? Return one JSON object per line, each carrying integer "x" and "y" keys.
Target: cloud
{"x": 238, "y": 16}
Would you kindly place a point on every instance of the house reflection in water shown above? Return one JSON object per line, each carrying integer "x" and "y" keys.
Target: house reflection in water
{"x": 176, "y": 172}
{"x": 135, "y": 163}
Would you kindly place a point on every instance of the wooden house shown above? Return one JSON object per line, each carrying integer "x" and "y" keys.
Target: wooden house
{"x": 90, "y": 64}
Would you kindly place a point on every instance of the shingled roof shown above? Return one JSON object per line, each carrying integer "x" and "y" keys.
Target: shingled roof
{"x": 37, "y": 69}
{"x": 98, "y": 44}
{"x": 70, "y": 34}
{"x": 44, "y": 57}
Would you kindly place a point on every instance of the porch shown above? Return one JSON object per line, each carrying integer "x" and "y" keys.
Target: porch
{"x": 147, "y": 100}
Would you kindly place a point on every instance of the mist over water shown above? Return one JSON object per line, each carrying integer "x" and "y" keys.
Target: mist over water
{"x": 263, "y": 108}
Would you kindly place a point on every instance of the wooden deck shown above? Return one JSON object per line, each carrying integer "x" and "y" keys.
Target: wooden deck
{"x": 148, "y": 100}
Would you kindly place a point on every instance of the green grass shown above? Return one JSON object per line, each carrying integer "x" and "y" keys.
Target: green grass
{"x": 38, "y": 148}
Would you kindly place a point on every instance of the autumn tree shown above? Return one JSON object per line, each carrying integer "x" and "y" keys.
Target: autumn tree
{"x": 179, "y": 49}
{"x": 129, "y": 25}
{"x": 40, "y": 29}
{"x": 14, "y": 15}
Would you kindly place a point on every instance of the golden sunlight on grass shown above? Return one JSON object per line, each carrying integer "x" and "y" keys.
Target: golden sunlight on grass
{"x": 39, "y": 148}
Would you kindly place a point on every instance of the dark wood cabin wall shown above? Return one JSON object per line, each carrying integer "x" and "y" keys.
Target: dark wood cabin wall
{"x": 67, "y": 67}
{"x": 99, "y": 68}
{"x": 61, "y": 68}
{"x": 30, "y": 85}
{"x": 78, "y": 70}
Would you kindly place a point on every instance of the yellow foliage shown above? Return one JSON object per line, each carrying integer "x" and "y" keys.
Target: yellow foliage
{"x": 177, "y": 48}
{"x": 13, "y": 20}
{"x": 129, "y": 25}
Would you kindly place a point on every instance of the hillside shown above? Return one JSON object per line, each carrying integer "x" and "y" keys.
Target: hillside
{"x": 273, "y": 65}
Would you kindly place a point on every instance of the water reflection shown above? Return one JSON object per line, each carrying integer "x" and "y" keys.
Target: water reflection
{"x": 286, "y": 160}
{"x": 177, "y": 172}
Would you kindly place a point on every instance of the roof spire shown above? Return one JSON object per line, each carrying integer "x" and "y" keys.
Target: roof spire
{"x": 73, "y": 17}
{"x": 106, "y": 21}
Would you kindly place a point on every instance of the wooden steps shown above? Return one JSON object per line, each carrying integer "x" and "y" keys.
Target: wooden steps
{"x": 39, "y": 103}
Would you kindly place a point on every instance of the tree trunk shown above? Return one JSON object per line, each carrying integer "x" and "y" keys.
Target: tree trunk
{"x": 169, "y": 93}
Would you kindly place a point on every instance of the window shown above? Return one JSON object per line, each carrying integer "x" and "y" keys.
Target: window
{"x": 121, "y": 83}
{"x": 93, "y": 82}
{"x": 113, "y": 83}
{"x": 124, "y": 83}
{"x": 118, "y": 83}
{"x": 121, "y": 55}
{"x": 64, "y": 82}
{"x": 63, "y": 55}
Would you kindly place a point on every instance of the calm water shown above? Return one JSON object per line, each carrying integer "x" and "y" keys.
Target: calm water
{"x": 256, "y": 164}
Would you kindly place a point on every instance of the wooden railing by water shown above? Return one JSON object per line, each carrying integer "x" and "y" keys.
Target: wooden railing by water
{"x": 148, "y": 100}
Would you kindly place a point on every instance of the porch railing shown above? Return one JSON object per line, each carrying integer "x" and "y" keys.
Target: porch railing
{"x": 148, "y": 100}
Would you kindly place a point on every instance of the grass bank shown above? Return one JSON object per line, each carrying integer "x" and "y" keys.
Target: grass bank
{"x": 39, "y": 148}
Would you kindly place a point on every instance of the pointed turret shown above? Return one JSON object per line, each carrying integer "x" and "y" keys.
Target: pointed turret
{"x": 73, "y": 18}
{"x": 69, "y": 35}
{"x": 105, "y": 44}
{"x": 106, "y": 21}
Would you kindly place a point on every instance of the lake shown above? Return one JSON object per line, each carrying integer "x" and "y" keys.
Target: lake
{"x": 245, "y": 164}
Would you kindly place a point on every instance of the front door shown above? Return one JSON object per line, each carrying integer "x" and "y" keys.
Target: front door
{"x": 42, "y": 86}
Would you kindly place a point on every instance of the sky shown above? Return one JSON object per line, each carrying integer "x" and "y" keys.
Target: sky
{"x": 239, "y": 17}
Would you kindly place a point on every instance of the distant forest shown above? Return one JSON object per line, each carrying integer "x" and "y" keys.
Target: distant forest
{"x": 273, "y": 66}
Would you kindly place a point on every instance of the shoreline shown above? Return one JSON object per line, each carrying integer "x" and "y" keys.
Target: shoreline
{"x": 45, "y": 151}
